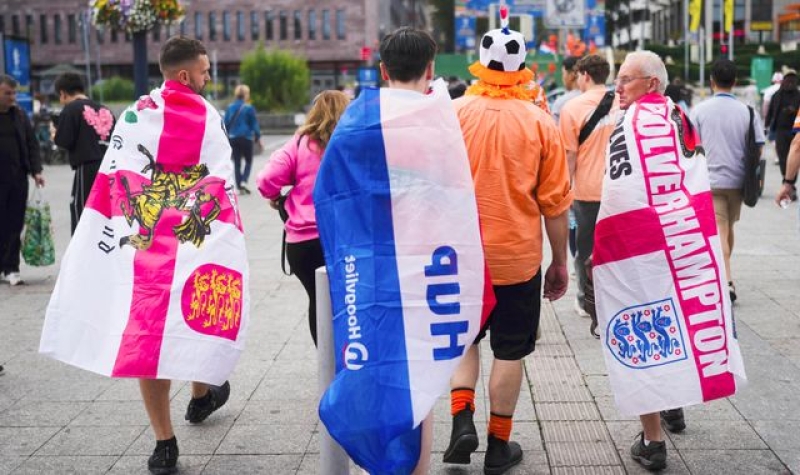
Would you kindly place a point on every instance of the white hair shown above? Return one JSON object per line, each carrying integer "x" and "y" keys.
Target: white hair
{"x": 650, "y": 64}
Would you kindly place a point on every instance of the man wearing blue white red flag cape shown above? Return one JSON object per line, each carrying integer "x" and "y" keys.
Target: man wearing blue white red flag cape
{"x": 398, "y": 222}
{"x": 663, "y": 309}
{"x": 154, "y": 282}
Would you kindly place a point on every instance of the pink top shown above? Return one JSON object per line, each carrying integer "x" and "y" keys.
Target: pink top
{"x": 296, "y": 165}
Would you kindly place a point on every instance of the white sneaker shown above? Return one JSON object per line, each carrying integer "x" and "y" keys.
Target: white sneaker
{"x": 579, "y": 310}
{"x": 13, "y": 278}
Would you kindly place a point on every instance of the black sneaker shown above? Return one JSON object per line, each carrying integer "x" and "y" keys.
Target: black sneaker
{"x": 501, "y": 456}
{"x": 199, "y": 409}
{"x": 463, "y": 439}
{"x": 652, "y": 457}
{"x": 164, "y": 460}
{"x": 732, "y": 291}
{"x": 243, "y": 189}
{"x": 673, "y": 420}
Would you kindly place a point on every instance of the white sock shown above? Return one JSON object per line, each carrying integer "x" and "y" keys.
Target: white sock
{"x": 646, "y": 442}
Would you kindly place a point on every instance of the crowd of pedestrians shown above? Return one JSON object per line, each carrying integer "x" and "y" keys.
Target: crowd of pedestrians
{"x": 531, "y": 167}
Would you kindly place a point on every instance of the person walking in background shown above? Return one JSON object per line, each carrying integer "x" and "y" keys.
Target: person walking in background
{"x": 84, "y": 130}
{"x": 569, "y": 76}
{"x": 521, "y": 185}
{"x": 722, "y": 122}
{"x": 19, "y": 157}
{"x": 296, "y": 165}
{"x": 779, "y": 121}
{"x": 788, "y": 189}
{"x": 586, "y": 124}
{"x": 244, "y": 133}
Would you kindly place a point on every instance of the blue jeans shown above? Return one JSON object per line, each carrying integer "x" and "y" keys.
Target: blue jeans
{"x": 242, "y": 147}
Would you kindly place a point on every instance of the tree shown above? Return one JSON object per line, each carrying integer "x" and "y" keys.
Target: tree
{"x": 278, "y": 80}
{"x": 444, "y": 24}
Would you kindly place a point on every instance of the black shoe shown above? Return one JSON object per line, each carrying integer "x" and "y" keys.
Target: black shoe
{"x": 199, "y": 409}
{"x": 501, "y": 456}
{"x": 164, "y": 460}
{"x": 673, "y": 420}
{"x": 652, "y": 457}
{"x": 243, "y": 189}
{"x": 463, "y": 439}
{"x": 1, "y": 369}
{"x": 732, "y": 291}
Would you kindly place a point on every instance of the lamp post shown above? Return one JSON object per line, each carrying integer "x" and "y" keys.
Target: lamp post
{"x": 140, "y": 69}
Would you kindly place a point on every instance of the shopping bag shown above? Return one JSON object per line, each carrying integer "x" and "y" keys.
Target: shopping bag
{"x": 37, "y": 243}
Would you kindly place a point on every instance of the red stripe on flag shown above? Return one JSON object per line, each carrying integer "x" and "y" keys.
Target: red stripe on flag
{"x": 100, "y": 197}
{"x": 154, "y": 268}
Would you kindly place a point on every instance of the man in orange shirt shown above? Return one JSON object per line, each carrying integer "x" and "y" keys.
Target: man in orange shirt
{"x": 521, "y": 176}
{"x": 586, "y": 124}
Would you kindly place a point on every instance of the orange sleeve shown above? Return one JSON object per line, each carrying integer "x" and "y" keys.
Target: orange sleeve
{"x": 568, "y": 123}
{"x": 553, "y": 192}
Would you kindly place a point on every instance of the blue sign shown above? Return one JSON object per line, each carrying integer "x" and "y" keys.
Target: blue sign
{"x": 18, "y": 65}
{"x": 368, "y": 77}
{"x": 465, "y": 33}
{"x": 595, "y": 23}
{"x": 515, "y": 7}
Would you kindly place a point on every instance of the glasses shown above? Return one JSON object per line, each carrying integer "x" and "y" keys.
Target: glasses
{"x": 624, "y": 81}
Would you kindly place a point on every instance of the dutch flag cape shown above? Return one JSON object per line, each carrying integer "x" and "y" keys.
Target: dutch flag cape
{"x": 662, "y": 300}
{"x": 154, "y": 283}
{"x": 398, "y": 222}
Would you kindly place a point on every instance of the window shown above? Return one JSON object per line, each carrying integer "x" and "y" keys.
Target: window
{"x": 2, "y": 24}
{"x": 57, "y": 29}
{"x": 72, "y": 29}
{"x": 312, "y": 24}
{"x": 198, "y": 25}
{"x": 269, "y": 32}
{"x": 255, "y": 30}
{"x": 29, "y": 26}
{"x": 298, "y": 25}
{"x": 114, "y": 37}
{"x": 15, "y": 25}
{"x": 326, "y": 25}
{"x": 43, "y": 29}
{"x": 284, "y": 29}
{"x": 340, "y": 26}
{"x": 212, "y": 26}
{"x": 240, "y": 26}
{"x": 226, "y": 26}
{"x": 101, "y": 37}
{"x": 183, "y": 27}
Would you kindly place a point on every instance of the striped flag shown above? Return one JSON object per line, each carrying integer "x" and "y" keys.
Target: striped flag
{"x": 398, "y": 221}
{"x": 154, "y": 283}
{"x": 662, "y": 298}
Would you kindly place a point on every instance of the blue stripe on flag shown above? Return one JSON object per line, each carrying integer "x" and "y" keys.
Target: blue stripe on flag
{"x": 367, "y": 408}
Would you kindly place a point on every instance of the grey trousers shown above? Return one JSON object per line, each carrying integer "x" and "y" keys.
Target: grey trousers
{"x": 585, "y": 217}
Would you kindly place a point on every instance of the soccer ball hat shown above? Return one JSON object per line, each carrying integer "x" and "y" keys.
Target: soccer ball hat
{"x": 502, "y": 56}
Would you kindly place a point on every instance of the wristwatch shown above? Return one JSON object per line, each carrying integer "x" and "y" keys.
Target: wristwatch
{"x": 790, "y": 182}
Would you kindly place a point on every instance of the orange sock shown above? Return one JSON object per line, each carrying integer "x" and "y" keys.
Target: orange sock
{"x": 500, "y": 426}
{"x": 460, "y": 399}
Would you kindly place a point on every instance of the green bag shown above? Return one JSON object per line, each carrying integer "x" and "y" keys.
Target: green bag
{"x": 37, "y": 243}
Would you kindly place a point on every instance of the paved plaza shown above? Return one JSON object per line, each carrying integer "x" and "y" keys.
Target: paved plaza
{"x": 55, "y": 419}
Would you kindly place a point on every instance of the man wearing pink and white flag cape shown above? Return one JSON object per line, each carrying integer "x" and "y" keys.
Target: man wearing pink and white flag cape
{"x": 664, "y": 314}
{"x": 154, "y": 284}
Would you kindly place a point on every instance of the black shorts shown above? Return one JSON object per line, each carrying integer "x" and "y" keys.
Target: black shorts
{"x": 514, "y": 320}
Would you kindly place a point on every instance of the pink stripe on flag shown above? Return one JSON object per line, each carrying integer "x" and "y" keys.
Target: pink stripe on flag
{"x": 154, "y": 268}
{"x": 100, "y": 197}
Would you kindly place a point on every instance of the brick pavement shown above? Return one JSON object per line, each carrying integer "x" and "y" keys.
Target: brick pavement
{"x": 55, "y": 419}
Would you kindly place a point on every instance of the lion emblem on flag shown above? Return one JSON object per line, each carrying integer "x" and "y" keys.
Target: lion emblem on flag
{"x": 646, "y": 335}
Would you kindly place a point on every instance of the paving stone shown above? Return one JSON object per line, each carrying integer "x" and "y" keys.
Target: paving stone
{"x": 623, "y": 434}
{"x": 8, "y": 463}
{"x": 253, "y": 464}
{"x": 274, "y": 439}
{"x": 65, "y": 465}
{"x": 40, "y": 413}
{"x": 91, "y": 440}
{"x": 726, "y": 462}
{"x": 593, "y": 470}
{"x": 791, "y": 458}
{"x": 716, "y": 435}
{"x": 608, "y": 410}
{"x": 598, "y": 385}
{"x": 561, "y": 370}
{"x": 280, "y": 412}
{"x": 137, "y": 464}
{"x": 548, "y": 391}
{"x": 113, "y": 413}
{"x": 675, "y": 465}
{"x": 574, "y": 431}
{"x": 193, "y": 439}
{"x": 311, "y": 466}
{"x": 24, "y": 440}
{"x": 568, "y": 411}
{"x": 582, "y": 453}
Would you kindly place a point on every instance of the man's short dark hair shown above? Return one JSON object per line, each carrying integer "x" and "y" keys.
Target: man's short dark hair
{"x": 595, "y": 66}
{"x": 69, "y": 83}
{"x": 8, "y": 80}
{"x": 569, "y": 63}
{"x": 179, "y": 50}
{"x": 723, "y": 71}
{"x": 406, "y": 52}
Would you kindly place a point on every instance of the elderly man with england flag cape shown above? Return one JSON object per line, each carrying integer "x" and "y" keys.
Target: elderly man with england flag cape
{"x": 398, "y": 222}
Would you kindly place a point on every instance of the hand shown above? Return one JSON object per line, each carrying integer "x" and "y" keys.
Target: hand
{"x": 39, "y": 180}
{"x": 556, "y": 280}
{"x": 785, "y": 193}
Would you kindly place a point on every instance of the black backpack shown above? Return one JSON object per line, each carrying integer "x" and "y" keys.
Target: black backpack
{"x": 753, "y": 166}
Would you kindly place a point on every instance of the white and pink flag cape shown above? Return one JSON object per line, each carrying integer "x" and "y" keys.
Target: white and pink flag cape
{"x": 663, "y": 307}
{"x": 154, "y": 283}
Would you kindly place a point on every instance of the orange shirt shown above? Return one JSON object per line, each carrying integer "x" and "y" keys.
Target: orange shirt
{"x": 590, "y": 164}
{"x": 796, "y": 127}
{"x": 520, "y": 173}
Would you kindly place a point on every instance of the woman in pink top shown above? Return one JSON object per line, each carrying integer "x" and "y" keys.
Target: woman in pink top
{"x": 296, "y": 165}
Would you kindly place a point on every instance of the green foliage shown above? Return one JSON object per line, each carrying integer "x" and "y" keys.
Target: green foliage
{"x": 444, "y": 24}
{"x": 115, "y": 89}
{"x": 279, "y": 81}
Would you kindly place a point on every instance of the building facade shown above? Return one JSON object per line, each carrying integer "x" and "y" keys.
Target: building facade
{"x": 331, "y": 34}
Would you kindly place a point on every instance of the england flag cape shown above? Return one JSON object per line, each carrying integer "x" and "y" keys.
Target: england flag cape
{"x": 398, "y": 222}
{"x": 662, "y": 300}
{"x": 154, "y": 283}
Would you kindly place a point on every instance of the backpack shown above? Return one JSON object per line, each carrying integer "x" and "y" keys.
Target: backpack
{"x": 753, "y": 166}
{"x": 602, "y": 110}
